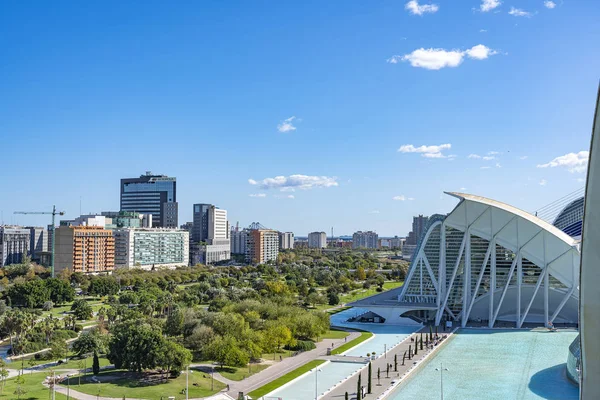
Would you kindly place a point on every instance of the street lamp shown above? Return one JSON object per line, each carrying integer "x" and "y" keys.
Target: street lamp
{"x": 317, "y": 370}
{"x": 441, "y": 369}
{"x": 385, "y": 350}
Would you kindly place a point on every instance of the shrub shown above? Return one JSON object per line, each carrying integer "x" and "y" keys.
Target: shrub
{"x": 48, "y": 305}
{"x": 302, "y": 345}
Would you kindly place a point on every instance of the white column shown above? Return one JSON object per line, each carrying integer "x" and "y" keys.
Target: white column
{"x": 492, "y": 283}
{"x": 519, "y": 279}
{"x": 467, "y": 279}
{"x": 546, "y": 283}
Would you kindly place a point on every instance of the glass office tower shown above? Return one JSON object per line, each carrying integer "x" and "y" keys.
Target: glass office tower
{"x": 151, "y": 194}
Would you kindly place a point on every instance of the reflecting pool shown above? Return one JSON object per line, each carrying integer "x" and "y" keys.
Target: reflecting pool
{"x": 486, "y": 364}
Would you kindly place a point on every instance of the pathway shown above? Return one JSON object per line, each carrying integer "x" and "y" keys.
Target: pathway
{"x": 286, "y": 365}
{"x": 338, "y": 393}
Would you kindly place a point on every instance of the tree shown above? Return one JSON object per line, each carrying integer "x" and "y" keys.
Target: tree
{"x": 395, "y": 362}
{"x": 174, "y": 323}
{"x": 96, "y": 364}
{"x": 20, "y": 390}
{"x": 333, "y": 299}
{"x": 359, "y": 388}
{"x": 421, "y": 344}
{"x": 31, "y": 362}
{"x": 135, "y": 345}
{"x": 387, "y": 370}
{"x": 80, "y": 365}
{"x": 81, "y": 310}
{"x": 30, "y": 294}
{"x": 346, "y": 396}
{"x": 58, "y": 349}
{"x": 60, "y": 291}
{"x": 174, "y": 358}
{"x": 369, "y": 379}
{"x": 378, "y": 376}
{"x": 277, "y": 334}
{"x": 47, "y": 306}
{"x": 360, "y": 274}
{"x": 104, "y": 286}
{"x": 403, "y": 358}
{"x": 89, "y": 342}
{"x": 3, "y": 374}
{"x": 226, "y": 351}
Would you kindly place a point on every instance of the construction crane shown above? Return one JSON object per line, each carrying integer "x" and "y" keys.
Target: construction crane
{"x": 53, "y": 213}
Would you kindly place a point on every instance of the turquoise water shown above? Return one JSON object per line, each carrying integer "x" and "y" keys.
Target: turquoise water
{"x": 488, "y": 365}
{"x": 304, "y": 387}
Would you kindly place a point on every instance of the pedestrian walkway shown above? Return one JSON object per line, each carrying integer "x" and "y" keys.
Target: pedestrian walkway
{"x": 379, "y": 386}
{"x": 286, "y": 365}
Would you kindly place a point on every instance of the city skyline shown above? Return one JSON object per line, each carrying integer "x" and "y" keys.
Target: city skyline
{"x": 297, "y": 124}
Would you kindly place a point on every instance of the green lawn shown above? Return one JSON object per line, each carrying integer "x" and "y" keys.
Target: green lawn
{"x": 274, "y": 384}
{"x": 238, "y": 374}
{"x": 275, "y": 356}
{"x": 72, "y": 363}
{"x": 362, "y": 293}
{"x": 121, "y": 384}
{"x": 337, "y": 310}
{"x": 334, "y": 334}
{"x": 346, "y": 346}
{"x": 59, "y": 312}
{"x": 33, "y": 386}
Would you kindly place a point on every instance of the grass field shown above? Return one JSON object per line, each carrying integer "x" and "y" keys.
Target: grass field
{"x": 238, "y": 374}
{"x": 282, "y": 380}
{"x": 73, "y": 363}
{"x": 334, "y": 334}
{"x": 121, "y": 384}
{"x": 337, "y": 310}
{"x": 33, "y": 387}
{"x": 359, "y": 294}
{"x": 347, "y": 346}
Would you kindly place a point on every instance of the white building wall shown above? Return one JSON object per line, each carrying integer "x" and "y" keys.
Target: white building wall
{"x": 317, "y": 240}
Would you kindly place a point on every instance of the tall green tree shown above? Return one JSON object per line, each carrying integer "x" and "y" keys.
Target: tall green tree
{"x": 81, "y": 309}
{"x": 395, "y": 362}
{"x": 135, "y": 345}
{"x": 174, "y": 323}
{"x": 359, "y": 388}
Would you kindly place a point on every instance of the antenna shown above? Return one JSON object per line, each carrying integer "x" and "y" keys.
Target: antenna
{"x": 332, "y": 233}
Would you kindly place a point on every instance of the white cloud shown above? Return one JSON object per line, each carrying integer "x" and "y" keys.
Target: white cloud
{"x": 549, "y": 4}
{"x": 258, "y": 195}
{"x": 292, "y": 182}
{"x": 426, "y": 151}
{"x": 523, "y": 158}
{"x": 402, "y": 198}
{"x": 291, "y": 196}
{"x": 543, "y": 182}
{"x": 463, "y": 188}
{"x": 489, "y": 5}
{"x": 574, "y": 162}
{"x": 493, "y": 153}
{"x": 498, "y": 165}
{"x": 374, "y": 212}
{"x": 475, "y": 156}
{"x": 485, "y": 167}
{"x": 580, "y": 180}
{"x": 287, "y": 125}
{"x": 483, "y": 30}
{"x": 452, "y": 157}
{"x": 480, "y": 52}
{"x": 488, "y": 158}
{"x": 517, "y": 12}
{"x": 415, "y": 8}
{"x": 434, "y": 59}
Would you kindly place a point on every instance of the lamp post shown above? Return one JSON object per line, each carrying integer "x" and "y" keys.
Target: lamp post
{"x": 385, "y": 350}
{"x": 441, "y": 369}
{"x": 317, "y": 370}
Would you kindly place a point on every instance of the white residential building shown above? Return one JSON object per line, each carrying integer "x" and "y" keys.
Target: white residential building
{"x": 148, "y": 248}
{"x": 14, "y": 244}
{"x": 210, "y": 235}
{"x": 239, "y": 241}
{"x": 366, "y": 240}
{"x": 286, "y": 240}
{"x": 317, "y": 240}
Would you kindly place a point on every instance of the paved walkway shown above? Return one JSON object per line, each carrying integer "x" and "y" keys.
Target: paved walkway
{"x": 286, "y": 365}
{"x": 338, "y": 393}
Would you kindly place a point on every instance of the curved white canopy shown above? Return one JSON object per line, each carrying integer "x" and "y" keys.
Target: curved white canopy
{"x": 539, "y": 242}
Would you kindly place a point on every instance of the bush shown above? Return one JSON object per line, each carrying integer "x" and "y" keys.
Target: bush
{"x": 48, "y": 306}
{"x": 302, "y": 345}
{"x": 379, "y": 289}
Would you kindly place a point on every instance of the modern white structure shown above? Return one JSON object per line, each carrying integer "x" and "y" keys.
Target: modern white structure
{"x": 148, "y": 248}
{"x": 14, "y": 244}
{"x": 487, "y": 261}
{"x": 317, "y": 240}
{"x": 286, "y": 240}
{"x": 365, "y": 240}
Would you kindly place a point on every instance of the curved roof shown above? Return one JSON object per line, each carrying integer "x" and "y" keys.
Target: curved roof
{"x": 515, "y": 229}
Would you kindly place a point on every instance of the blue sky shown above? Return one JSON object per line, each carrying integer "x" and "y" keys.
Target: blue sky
{"x": 206, "y": 91}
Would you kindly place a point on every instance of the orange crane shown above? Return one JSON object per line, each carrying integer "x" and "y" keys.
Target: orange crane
{"x": 53, "y": 213}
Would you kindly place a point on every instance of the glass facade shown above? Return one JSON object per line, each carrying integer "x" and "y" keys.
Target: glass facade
{"x": 151, "y": 194}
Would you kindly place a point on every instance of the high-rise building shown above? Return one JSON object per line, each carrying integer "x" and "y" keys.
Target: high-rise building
{"x": 365, "y": 240}
{"x": 317, "y": 240}
{"x": 286, "y": 240}
{"x": 38, "y": 242}
{"x": 397, "y": 243}
{"x": 87, "y": 249}
{"x": 127, "y": 219}
{"x": 148, "y": 248}
{"x": 151, "y": 194}
{"x": 418, "y": 228}
{"x": 14, "y": 244}
{"x": 263, "y": 246}
{"x": 239, "y": 240}
{"x": 210, "y": 235}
